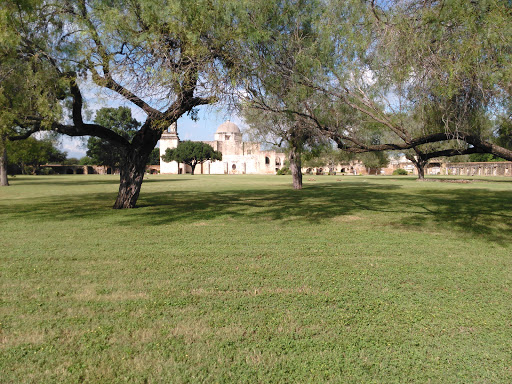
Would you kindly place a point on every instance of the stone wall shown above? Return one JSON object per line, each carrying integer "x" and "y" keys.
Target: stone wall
{"x": 499, "y": 168}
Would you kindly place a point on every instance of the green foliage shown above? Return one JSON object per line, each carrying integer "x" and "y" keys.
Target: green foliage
{"x": 165, "y": 57}
{"x": 29, "y": 87}
{"x": 400, "y": 171}
{"x": 504, "y": 129}
{"x": 26, "y": 156}
{"x": 484, "y": 157}
{"x": 72, "y": 161}
{"x": 86, "y": 160}
{"x": 450, "y": 59}
{"x": 119, "y": 120}
{"x": 284, "y": 171}
{"x": 191, "y": 153}
{"x": 374, "y": 160}
{"x": 325, "y": 155}
{"x": 154, "y": 157}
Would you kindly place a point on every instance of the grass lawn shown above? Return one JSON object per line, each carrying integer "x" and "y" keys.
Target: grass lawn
{"x": 232, "y": 279}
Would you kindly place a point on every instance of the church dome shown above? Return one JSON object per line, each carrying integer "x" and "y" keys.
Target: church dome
{"x": 228, "y": 127}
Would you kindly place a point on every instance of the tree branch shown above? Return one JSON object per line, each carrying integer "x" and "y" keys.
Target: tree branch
{"x": 91, "y": 130}
{"x": 25, "y": 135}
{"x": 108, "y": 82}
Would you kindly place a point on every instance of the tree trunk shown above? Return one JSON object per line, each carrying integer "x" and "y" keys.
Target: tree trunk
{"x": 420, "y": 166}
{"x": 131, "y": 177}
{"x": 4, "y": 182}
{"x": 420, "y": 162}
{"x": 193, "y": 166}
{"x": 295, "y": 166}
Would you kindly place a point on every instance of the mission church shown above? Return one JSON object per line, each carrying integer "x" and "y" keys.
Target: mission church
{"x": 238, "y": 157}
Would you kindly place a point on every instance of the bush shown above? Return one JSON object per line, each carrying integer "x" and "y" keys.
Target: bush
{"x": 46, "y": 171}
{"x": 284, "y": 171}
{"x": 400, "y": 171}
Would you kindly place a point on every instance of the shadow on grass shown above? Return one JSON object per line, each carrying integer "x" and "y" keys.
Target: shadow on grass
{"x": 480, "y": 212}
{"x": 76, "y": 180}
{"x": 485, "y": 179}
{"x": 475, "y": 211}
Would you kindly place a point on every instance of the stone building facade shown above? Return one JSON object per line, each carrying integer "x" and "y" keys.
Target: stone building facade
{"x": 238, "y": 156}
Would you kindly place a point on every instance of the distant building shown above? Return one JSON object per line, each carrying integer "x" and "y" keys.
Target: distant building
{"x": 353, "y": 167}
{"x": 441, "y": 167}
{"x": 497, "y": 168}
{"x": 238, "y": 157}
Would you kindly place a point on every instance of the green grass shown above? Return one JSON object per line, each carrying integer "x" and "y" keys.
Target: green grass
{"x": 231, "y": 279}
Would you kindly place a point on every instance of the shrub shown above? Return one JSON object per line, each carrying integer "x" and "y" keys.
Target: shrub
{"x": 400, "y": 171}
{"x": 284, "y": 171}
{"x": 46, "y": 171}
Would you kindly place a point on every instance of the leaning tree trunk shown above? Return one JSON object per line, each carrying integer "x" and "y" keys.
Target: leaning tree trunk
{"x": 131, "y": 177}
{"x": 295, "y": 166}
{"x": 3, "y": 166}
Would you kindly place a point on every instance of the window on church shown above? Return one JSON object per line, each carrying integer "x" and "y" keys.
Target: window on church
{"x": 278, "y": 161}
{"x": 267, "y": 160}
{"x": 227, "y": 137}
{"x": 233, "y": 167}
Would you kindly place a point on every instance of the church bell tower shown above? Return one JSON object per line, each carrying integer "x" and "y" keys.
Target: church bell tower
{"x": 169, "y": 139}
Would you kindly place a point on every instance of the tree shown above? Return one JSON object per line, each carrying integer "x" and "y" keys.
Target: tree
{"x": 165, "y": 58}
{"x": 484, "y": 157}
{"x": 27, "y": 89}
{"x": 86, "y": 160}
{"x": 191, "y": 153}
{"x": 430, "y": 72}
{"x": 387, "y": 61}
{"x": 269, "y": 95}
{"x": 504, "y": 127}
{"x": 154, "y": 158}
{"x": 374, "y": 160}
{"x": 120, "y": 121}
{"x": 295, "y": 135}
{"x": 26, "y": 156}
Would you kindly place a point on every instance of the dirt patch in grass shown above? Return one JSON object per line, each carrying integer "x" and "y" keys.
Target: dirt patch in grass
{"x": 346, "y": 218}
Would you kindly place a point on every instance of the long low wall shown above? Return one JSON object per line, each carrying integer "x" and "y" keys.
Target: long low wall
{"x": 91, "y": 169}
{"x": 60, "y": 169}
{"x": 499, "y": 168}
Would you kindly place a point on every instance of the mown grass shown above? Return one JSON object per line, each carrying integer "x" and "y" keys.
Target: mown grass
{"x": 228, "y": 279}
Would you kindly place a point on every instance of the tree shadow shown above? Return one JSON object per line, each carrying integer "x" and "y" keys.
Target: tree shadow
{"x": 475, "y": 211}
{"x": 77, "y": 180}
{"x": 478, "y": 212}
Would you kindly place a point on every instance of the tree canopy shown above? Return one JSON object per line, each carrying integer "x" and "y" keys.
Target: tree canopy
{"x": 381, "y": 75}
{"x": 26, "y": 156}
{"x": 191, "y": 153}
